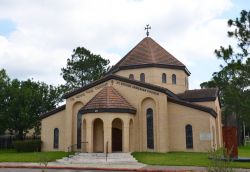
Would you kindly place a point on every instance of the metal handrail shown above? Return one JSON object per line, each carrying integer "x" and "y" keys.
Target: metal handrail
{"x": 71, "y": 146}
{"x": 107, "y": 148}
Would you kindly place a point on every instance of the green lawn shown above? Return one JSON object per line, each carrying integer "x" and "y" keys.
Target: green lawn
{"x": 171, "y": 159}
{"x": 244, "y": 151}
{"x": 13, "y": 156}
{"x": 186, "y": 158}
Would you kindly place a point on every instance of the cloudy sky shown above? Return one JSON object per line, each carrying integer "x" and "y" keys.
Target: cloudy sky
{"x": 37, "y": 37}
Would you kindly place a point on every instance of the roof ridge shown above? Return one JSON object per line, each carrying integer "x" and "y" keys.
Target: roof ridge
{"x": 124, "y": 57}
{"x": 107, "y": 97}
{"x": 148, "y": 52}
{"x": 108, "y": 100}
{"x": 117, "y": 93}
{"x": 193, "y": 105}
{"x": 153, "y": 57}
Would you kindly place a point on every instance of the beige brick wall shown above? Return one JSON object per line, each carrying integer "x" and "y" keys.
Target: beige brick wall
{"x": 179, "y": 117}
{"x": 169, "y": 121}
{"x": 47, "y": 131}
{"x": 154, "y": 76}
{"x": 218, "y": 124}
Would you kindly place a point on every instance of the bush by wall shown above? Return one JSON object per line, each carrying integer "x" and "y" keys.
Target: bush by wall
{"x": 28, "y": 145}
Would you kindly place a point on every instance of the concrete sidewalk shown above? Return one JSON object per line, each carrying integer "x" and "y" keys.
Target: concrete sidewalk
{"x": 181, "y": 168}
{"x": 110, "y": 167}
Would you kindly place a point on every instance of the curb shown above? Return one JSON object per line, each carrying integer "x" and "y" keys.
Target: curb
{"x": 65, "y": 167}
{"x": 91, "y": 168}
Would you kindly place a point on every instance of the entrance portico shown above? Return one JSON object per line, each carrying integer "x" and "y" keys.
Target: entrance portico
{"x": 110, "y": 131}
{"x": 107, "y": 117}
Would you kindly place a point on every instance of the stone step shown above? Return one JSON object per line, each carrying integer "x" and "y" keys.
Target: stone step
{"x": 101, "y": 159}
{"x": 96, "y": 162}
{"x": 81, "y": 158}
{"x": 113, "y": 155}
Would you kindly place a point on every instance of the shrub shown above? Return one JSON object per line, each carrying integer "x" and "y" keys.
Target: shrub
{"x": 28, "y": 145}
{"x": 220, "y": 162}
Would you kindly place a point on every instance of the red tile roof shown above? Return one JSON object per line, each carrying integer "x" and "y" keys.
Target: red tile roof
{"x": 206, "y": 94}
{"x": 108, "y": 100}
{"x": 148, "y": 52}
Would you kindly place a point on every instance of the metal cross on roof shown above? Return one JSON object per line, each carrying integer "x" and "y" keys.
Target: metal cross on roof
{"x": 147, "y": 28}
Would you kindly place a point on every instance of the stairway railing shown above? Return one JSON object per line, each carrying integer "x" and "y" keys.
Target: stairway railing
{"x": 107, "y": 150}
{"x": 73, "y": 147}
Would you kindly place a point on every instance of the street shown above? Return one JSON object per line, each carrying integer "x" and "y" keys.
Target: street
{"x": 40, "y": 170}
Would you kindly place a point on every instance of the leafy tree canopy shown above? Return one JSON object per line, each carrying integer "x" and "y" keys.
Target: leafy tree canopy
{"x": 4, "y": 82}
{"x": 83, "y": 67}
{"x": 233, "y": 79}
{"x": 23, "y": 101}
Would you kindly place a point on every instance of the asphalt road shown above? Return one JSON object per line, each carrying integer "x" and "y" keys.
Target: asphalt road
{"x": 40, "y": 170}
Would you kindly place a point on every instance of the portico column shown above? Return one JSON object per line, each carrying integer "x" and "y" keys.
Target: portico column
{"x": 107, "y": 135}
{"x": 89, "y": 135}
{"x": 125, "y": 136}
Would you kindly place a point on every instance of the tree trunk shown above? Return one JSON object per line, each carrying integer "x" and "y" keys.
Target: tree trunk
{"x": 20, "y": 134}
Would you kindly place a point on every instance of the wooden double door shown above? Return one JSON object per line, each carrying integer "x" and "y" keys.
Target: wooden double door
{"x": 116, "y": 140}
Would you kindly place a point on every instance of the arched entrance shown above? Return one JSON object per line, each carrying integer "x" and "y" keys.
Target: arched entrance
{"x": 98, "y": 135}
{"x": 117, "y": 135}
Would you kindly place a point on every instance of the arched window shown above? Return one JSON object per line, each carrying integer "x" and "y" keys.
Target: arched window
{"x": 142, "y": 77}
{"x": 150, "y": 129}
{"x": 131, "y": 76}
{"x": 186, "y": 82}
{"x": 189, "y": 136}
{"x": 164, "y": 78}
{"x": 79, "y": 131}
{"x": 173, "y": 79}
{"x": 56, "y": 138}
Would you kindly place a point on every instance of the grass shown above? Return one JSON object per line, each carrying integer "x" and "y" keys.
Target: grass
{"x": 170, "y": 159}
{"x": 244, "y": 151}
{"x": 186, "y": 158}
{"x": 13, "y": 156}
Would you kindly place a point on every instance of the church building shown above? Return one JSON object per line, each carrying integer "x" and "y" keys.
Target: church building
{"x": 142, "y": 104}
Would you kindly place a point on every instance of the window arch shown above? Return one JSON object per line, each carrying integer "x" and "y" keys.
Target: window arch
{"x": 142, "y": 77}
{"x": 189, "y": 136}
{"x": 131, "y": 76}
{"x": 164, "y": 78}
{"x": 79, "y": 131}
{"x": 56, "y": 138}
{"x": 186, "y": 82}
{"x": 173, "y": 79}
{"x": 150, "y": 129}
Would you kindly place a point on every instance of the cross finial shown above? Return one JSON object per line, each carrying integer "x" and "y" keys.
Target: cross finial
{"x": 147, "y": 28}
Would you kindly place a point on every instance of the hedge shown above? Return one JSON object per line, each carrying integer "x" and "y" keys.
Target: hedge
{"x": 28, "y": 145}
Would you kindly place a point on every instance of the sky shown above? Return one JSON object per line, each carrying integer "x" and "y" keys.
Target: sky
{"x": 37, "y": 37}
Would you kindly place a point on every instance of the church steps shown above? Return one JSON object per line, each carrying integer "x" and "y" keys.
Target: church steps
{"x": 89, "y": 158}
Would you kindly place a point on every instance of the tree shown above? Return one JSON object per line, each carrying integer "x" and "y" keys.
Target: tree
{"x": 25, "y": 101}
{"x": 83, "y": 68}
{"x": 233, "y": 79}
{"x": 4, "y": 82}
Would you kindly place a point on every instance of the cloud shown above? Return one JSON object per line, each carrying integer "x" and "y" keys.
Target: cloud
{"x": 46, "y": 31}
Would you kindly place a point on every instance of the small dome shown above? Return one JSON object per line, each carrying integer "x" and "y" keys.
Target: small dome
{"x": 108, "y": 100}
